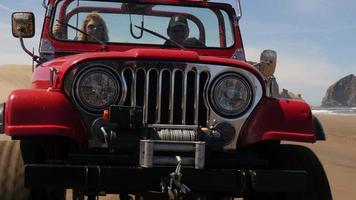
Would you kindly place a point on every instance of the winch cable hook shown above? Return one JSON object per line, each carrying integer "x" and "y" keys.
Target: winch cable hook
{"x": 176, "y": 187}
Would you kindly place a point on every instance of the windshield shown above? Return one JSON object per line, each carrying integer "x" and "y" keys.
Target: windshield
{"x": 120, "y": 22}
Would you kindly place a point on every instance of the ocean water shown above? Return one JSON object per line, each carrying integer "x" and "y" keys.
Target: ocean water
{"x": 334, "y": 110}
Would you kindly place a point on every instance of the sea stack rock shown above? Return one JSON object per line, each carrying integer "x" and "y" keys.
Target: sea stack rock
{"x": 342, "y": 93}
{"x": 285, "y": 94}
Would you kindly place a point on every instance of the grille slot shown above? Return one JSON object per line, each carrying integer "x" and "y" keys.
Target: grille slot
{"x": 168, "y": 96}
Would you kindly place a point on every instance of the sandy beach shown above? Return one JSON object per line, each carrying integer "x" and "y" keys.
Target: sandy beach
{"x": 338, "y": 153}
{"x": 13, "y": 77}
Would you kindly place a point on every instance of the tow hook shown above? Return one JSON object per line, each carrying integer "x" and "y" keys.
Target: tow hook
{"x": 108, "y": 138}
{"x": 173, "y": 185}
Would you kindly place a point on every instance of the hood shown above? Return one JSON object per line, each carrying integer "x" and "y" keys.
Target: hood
{"x": 63, "y": 64}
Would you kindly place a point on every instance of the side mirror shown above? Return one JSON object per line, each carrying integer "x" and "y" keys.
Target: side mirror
{"x": 23, "y": 24}
{"x": 268, "y": 62}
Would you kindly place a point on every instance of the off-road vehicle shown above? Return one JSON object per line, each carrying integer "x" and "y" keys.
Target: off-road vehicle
{"x": 139, "y": 114}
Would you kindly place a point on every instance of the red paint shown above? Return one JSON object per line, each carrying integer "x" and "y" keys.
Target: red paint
{"x": 40, "y": 78}
{"x": 278, "y": 119}
{"x": 62, "y": 64}
{"x": 297, "y": 137}
{"x": 42, "y": 112}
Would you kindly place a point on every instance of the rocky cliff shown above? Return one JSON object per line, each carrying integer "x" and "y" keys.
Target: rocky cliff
{"x": 285, "y": 94}
{"x": 342, "y": 93}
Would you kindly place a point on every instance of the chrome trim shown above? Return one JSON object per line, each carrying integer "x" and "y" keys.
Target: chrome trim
{"x": 237, "y": 123}
{"x": 145, "y": 103}
{"x": 133, "y": 88}
{"x": 124, "y": 87}
{"x": 184, "y": 96}
{"x": 159, "y": 95}
{"x": 158, "y": 98}
{"x": 149, "y": 159}
{"x": 52, "y": 73}
{"x": 172, "y": 126}
{"x": 221, "y": 77}
{"x": 196, "y": 100}
{"x": 130, "y": 80}
{"x": 205, "y": 100}
{"x": 180, "y": 71}
{"x": 171, "y": 97}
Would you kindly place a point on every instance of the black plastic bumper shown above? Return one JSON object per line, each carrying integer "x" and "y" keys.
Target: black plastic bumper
{"x": 137, "y": 179}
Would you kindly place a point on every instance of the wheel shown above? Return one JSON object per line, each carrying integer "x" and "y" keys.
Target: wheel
{"x": 294, "y": 157}
{"x": 77, "y": 195}
{"x": 40, "y": 150}
{"x": 11, "y": 172}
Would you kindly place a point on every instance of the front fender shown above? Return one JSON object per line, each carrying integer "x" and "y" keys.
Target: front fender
{"x": 279, "y": 119}
{"x": 319, "y": 130}
{"x": 42, "y": 112}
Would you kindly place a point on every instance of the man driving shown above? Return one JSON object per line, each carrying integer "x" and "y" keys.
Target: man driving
{"x": 178, "y": 31}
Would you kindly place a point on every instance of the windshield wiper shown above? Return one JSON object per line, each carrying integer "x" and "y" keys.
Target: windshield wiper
{"x": 161, "y": 36}
{"x": 105, "y": 46}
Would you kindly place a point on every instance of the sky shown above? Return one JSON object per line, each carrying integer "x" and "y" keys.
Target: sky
{"x": 315, "y": 39}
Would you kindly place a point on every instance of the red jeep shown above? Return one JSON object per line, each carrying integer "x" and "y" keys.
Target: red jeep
{"x": 121, "y": 104}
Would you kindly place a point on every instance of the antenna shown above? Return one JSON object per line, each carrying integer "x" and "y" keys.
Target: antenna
{"x": 240, "y": 10}
{"x": 45, "y": 4}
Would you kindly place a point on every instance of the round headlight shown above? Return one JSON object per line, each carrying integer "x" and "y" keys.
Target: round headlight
{"x": 231, "y": 95}
{"x": 96, "y": 89}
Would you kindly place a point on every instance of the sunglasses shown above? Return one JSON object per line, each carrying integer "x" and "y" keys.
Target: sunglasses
{"x": 92, "y": 27}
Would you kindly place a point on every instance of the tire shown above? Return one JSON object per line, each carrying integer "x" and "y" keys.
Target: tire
{"x": 39, "y": 151}
{"x": 215, "y": 197}
{"x": 190, "y": 196}
{"x": 294, "y": 157}
{"x": 11, "y": 172}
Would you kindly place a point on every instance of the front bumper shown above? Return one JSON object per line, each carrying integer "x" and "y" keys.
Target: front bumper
{"x": 138, "y": 179}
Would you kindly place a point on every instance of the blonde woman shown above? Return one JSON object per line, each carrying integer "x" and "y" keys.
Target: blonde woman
{"x": 95, "y": 26}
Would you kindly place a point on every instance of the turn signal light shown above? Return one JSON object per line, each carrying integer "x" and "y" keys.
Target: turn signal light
{"x": 106, "y": 115}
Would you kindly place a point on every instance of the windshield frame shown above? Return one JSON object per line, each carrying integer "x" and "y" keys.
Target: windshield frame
{"x": 227, "y": 8}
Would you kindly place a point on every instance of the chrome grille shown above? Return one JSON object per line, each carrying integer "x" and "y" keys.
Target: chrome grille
{"x": 168, "y": 95}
